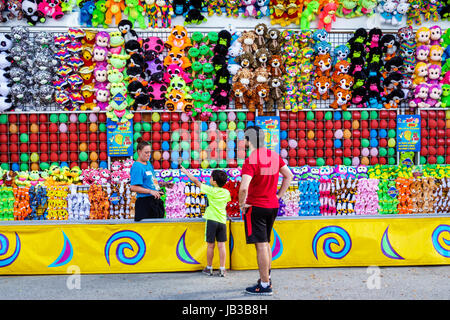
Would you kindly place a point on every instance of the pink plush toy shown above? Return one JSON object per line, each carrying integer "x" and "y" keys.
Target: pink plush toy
{"x": 446, "y": 78}
{"x": 367, "y": 197}
{"x": 434, "y": 96}
{"x": 420, "y": 97}
{"x": 116, "y": 166}
{"x": 434, "y": 74}
{"x": 116, "y": 177}
{"x": 175, "y": 201}
{"x": 105, "y": 176}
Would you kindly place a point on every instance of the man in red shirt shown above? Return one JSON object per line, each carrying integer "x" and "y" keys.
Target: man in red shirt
{"x": 258, "y": 198}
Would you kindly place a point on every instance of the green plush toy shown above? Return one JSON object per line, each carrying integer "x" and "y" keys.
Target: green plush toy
{"x": 135, "y": 12}
{"x": 445, "y": 97}
{"x": 98, "y": 15}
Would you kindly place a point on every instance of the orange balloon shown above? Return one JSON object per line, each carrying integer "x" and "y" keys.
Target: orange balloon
{"x": 94, "y": 165}
{"x": 447, "y": 124}
{"x": 34, "y": 128}
{"x": 310, "y": 134}
{"x": 83, "y": 146}
{"x": 35, "y": 166}
{"x": 13, "y": 128}
{"x": 355, "y": 124}
{"x": 203, "y": 155}
{"x": 157, "y": 155}
{"x": 93, "y": 156}
{"x": 365, "y": 161}
{"x": 347, "y": 134}
{"x": 93, "y": 127}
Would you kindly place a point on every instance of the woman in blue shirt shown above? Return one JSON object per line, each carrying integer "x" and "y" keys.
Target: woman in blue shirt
{"x": 144, "y": 183}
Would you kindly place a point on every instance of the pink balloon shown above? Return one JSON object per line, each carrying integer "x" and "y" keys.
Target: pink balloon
{"x": 166, "y": 155}
{"x": 338, "y": 134}
{"x": 63, "y": 128}
{"x": 184, "y": 117}
{"x": 283, "y": 153}
{"x": 355, "y": 161}
{"x": 365, "y": 152}
{"x": 213, "y": 126}
{"x": 292, "y": 143}
{"x": 374, "y": 152}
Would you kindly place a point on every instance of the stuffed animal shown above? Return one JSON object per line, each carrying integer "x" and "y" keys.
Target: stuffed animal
{"x": 135, "y": 12}
{"x": 15, "y": 9}
{"x": 276, "y": 96}
{"x": 179, "y": 38}
{"x": 262, "y": 96}
{"x": 342, "y": 98}
{"x": 274, "y": 41}
{"x": 308, "y": 14}
{"x": 164, "y": 10}
{"x": 276, "y": 67}
{"x": 239, "y": 95}
{"x": 327, "y": 16}
{"x": 30, "y": 12}
{"x": 114, "y": 8}
{"x": 278, "y": 14}
{"x": 51, "y": 8}
{"x": 323, "y": 65}
{"x": 244, "y": 76}
{"x": 413, "y": 15}
{"x": 445, "y": 96}
{"x": 248, "y": 41}
{"x": 176, "y": 56}
{"x": 322, "y": 86}
{"x": 261, "y": 33}
{"x": 249, "y": 8}
{"x": 86, "y": 12}
{"x": 232, "y": 8}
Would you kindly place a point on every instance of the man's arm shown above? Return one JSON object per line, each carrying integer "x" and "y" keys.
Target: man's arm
{"x": 243, "y": 190}
{"x": 191, "y": 177}
{"x": 287, "y": 179}
{"x": 140, "y": 189}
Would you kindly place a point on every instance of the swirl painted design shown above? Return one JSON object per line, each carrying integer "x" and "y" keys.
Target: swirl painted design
{"x": 328, "y": 241}
{"x": 277, "y": 246}
{"x": 120, "y": 251}
{"x": 65, "y": 255}
{"x": 182, "y": 252}
{"x": 435, "y": 240}
{"x": 387, "y": 248}
{"x": 4, "y": 247}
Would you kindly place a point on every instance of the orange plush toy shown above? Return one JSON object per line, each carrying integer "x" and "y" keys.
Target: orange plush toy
{"x": 178, "y": 38}
{"x": 114, "y": 9}
{"x": 176, "y": 56}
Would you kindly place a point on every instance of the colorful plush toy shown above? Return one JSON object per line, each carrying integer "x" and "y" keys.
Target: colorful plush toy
{"x": 51, "y": 9}
{"x": 308, "y": 14}
{"x": 278, "y": 15}
{"x": 114, "y": 8}
{"x": 327, "y": 16}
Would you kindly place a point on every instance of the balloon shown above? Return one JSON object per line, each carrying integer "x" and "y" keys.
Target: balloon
{"x": 63, "y": 127}
{"x": 92, "y": 117}
{"x": 156, "y": 117}
{"x": 34, "y": 157}
{"x": 24, "y": 138}
{"x": 73, "y": 118}
{"x": 63, "y": 117}
{"x": 82, "y": 117}
{"x": 83, "y": 156}
{"x": 53, "y": 118}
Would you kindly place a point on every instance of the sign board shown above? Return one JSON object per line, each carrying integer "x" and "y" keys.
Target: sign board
{"x": 120, "y": 138}
{"x": 408, "y": 133}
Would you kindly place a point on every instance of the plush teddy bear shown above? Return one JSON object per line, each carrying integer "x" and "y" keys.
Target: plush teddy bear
{"x": 262, "y": 57}
{"x": 262, "y": 91}
{"x": 246, "y": 60}
{"x": 244, "y": 76}
{"x": 276, "y": 95}
{"x": 248, "y": 41}
{"x": 261, "y": 30}
{"x": 238, "y": 94}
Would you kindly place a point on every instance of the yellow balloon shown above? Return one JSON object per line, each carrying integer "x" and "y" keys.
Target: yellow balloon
{"x": 156, "y": 117}
{"x": 391, "y": 142}
{"x": 205, "y": 164}
{"x": 34, "y": 157}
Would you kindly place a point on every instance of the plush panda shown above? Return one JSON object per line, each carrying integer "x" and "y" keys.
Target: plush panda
{"x": 5, "y": 42}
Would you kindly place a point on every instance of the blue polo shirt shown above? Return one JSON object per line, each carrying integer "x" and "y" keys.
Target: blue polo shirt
{"x": 143, "y": 175}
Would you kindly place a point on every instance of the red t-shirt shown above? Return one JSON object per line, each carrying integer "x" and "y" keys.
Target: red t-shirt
{"x": 263, "y": 165}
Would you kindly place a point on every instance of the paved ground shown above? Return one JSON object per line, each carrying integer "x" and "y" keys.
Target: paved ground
{"x": 421, "y": 283}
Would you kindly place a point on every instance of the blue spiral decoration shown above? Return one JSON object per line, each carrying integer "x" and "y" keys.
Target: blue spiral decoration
{"x": 435, "y": 240}
{"x": 4, "y": 246}
{"x": 330, "y": 240}
{"x": 120, "y": 251}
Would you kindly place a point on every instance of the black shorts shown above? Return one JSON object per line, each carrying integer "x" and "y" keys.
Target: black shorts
{"x": 258, "y": 223}
{"x": 215, "y": 231}
{"x": 148, "y": 208}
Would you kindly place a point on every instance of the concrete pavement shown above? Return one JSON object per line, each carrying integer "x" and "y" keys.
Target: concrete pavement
{"x": 421, "y": 283}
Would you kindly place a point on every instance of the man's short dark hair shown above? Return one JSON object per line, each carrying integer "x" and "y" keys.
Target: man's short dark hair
{"x": 256, "y": 136}
{"x": 220, "y": 177}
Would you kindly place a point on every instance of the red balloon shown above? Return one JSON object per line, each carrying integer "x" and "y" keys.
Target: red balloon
{"x": 365, "y": 134}
{"x": 92, "y": 146}
{"x": 84, "y": 165}
{"x": 424, "y": 133}
{"x": 63, "y": 156}
{"x": 319, "y": 115}
{"x": 292, "y": 162}
{"x": 43, "y": 157}
{"x": 301, "y": 162}
{"x": 13, "y": 138}
{"x": 283, "y": 115}
{"x": 432, "y": 160}
{"x": 23, "y": 118}
{"x": 284, "y": 125}
{"x": 338, "y": 161}
{"x": 43, "y": 137}
{"x": 102, "y": 117}
{"x": 83, "y": 137}
{"x": 320, "y": 144}
{"x": 356, "y": 152}
{"x": 392, "y": 124}
{"x": 73, "y": 156}
{"x": 103, "y": 156}
{"x": 432, "y": 151}
{"x": 384, "y": 114}
{"x": 292, "y": 152}
{"x": 73, "y": 146}
{"x": 311, "y": 162}
{"x": 4, "y": 158}
{"x": 347, "y": 143}
{"x": 301, "y": 134}
{"x": 347, "y": 124}
{"x": 156, "y": 146}
{"x": 156, "y": 136}
{"x": 23, "y": 128}
{"x": 283, "y": 144}
{"x": 373, "y": 160}
{"x": 54, "y": 147}
{"x": 63, "y": 137}
{"x": 12, "y": 118}
{"x": 166, "y": 136}
{"x": 423, "y": 114}
{"x": 320, "y": 125}
{"x": 374, "y": 124}
{"x": 383, "y": 124}
{"x": 292, "y": 134}
{"x": 250, "y": 116}
{"x": 356, "y": 115}
{"x": 329, "y": 124}
{"x": 3, "y": 138}
{"x": 311, "y": 144}
{"x": 423, "y": 123}
{"x": 292, "y": 116}
{"x": 338, "y": 152}
{"x": 33, "y": 147}
{"x": 3, "y": 128}
{"x": 4, "y": 148}
{"x": 329, "y": 162}
{"x": 441, "y": 124}
{"x": 165, "y": 117}
{"x": 424, "y": 151}
{"x": 440, "y": 151}
{"x": 23, "y": 148}
{"x": 432, "y": 142}
{"x": 83, "y": 127}
{"x": 329, "y": 143}
{"x": 337, "y": 125}
{"x": 146, "y": 136}
{"x": 382, "y": 143}
{"x": 196, "y": 164}
{"x": 53, "y": 127}
{"x": 53, "y": 138}
{"x": 64, "y": 147}
{"x": 156, "y": 165}
{"x": 13, "y": 147}
{"x": 382, "y": 160}
{"x": 73, "y": 164}
{"x": 42, "y": 117}
{"x": 175, "y": 126}
{"x": 328, "y": 153}
{"x": 102, "y": 136}
{"x": 165, "y": 164}
{"x": 440, "y": 142}
{"x": 137, "y": 117}
{"x": 364, "y": 124}
{"x": 53, "y": 157}
{"x": 431, "y": 114}
{"x": 103, "y": 146}
{"x": 319, "y": 153}
{"x": 73, "y": 137}
{"x": 310, "y": 125}
{"x": 156, "y": 126}
{"x": 329, "y": 134}
{"x": 298, "y": 125}
{"x": 301, "y": 143}
{"x": 33, "y": 137}
{"x": 432, "y": 133}
{"x": 310, "y": 153}
{"x": 14, "y": 157}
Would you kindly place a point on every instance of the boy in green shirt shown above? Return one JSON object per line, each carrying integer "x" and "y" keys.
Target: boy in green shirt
{"x": 215, "y": 216}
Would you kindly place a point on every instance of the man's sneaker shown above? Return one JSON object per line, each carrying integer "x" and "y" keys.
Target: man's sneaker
{"x": 222, "y": 273}
{"x": 270, "y": 282}
{"x": 259, "y": 290}
{"x": 207, "y": 271}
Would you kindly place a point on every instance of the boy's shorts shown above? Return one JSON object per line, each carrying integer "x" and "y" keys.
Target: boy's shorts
{"x": 258, "y": 223}
{"x": 215, "y": 231}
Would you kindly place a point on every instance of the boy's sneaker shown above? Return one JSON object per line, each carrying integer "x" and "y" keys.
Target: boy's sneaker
{"x": 270, "y": 282}
{"x": 259, "y": 290}
{"x": 222, "y": 273}
{"x": 208, "y": 271}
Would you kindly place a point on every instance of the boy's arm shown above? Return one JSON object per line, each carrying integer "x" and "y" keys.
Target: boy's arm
{"x": 191, "y": 177}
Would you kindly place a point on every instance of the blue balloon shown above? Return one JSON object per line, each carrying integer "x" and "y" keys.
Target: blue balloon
{"x": 174, "y": 165}
{"x": 382, "y": 133}
{"x": 231, "y": 154}
{"x": 165, "y": 146}
{"x": 337, "y": 143}
{"x": 337, "y": 115}
{"x": 231, "y": 144}
{"x": 204, "y": 126}
{"x": 15, "y": 167}
{"x": 165, "y": 126}
{"x": 250, "y": 124}
{"x": 186, "y": 155}
{"x": 175, "y": 155}
{"x": 283, "y": 135}
{"x": 373, "y": 143}
{"x": 241, "y": 135}
{"x": 103, "y": 164}
{"x": 64, "y": 164}
{"x": 373, "y": 133}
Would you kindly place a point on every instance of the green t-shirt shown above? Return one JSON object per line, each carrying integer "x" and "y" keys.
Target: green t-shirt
{"x": 217, "y": 199}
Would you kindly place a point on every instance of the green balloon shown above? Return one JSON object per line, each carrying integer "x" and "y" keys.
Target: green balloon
{"x": 310, "y": 115}
{"x": 391, "y": 151}
{"x": 24, "y": 167}
{"x": 44, "y": 165}
{"x": 328, "y": 115}
{"x": 347, "y": 115}
{"x": 392, "y": 161}
{"x": 24, "y": 137}
{"x": 3, "y": 118}
{"x": 347, "y": 161}
{"x": 175, "y": 136}
{"x": 320, "y": 162}
{"x": 382, "y": 152}
{"x": 83, "y": 156}
{"x": 232, "y": 135}
{"x": 175, "y": 146}
{"x": 440, "y": 160}
{"x": 222, "y": 116}
{"x": 102, "y": 127}
{"x": 365, "y": 143}
{"x": 82, "y": 117}
{"x": 373, "y": 114}
{"x": 137, "y": 126}
{"x": 213, "y": 116}
{"x": 240, "y": 162}
{"x": 4, "y": 166}
{"x": 241, "y": 125}
{"x": 185, "y": 164}
{"x": 135, "y": 146}
{"x": 63, "y": 117}
{"x": 204, "y": 145}
{"x": 423, "y": 160}
{"x": 241, "y": 116}
{"x": 185, "y": 145}
{"x": 223, "y": 163}
{"x": 195, "y": 155}
{"x": 203, "y": 136}
{"x": 135, "y": 156}
{"x": 146, "y": 127}
{"x": 392, "y": 133}
{"x": 53, "y": 118}
{"x": 213, "y": 163}
{"x": 364, "y": 115}
{"x": 223, "y": 126}
{"x": 137, "y": 135}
